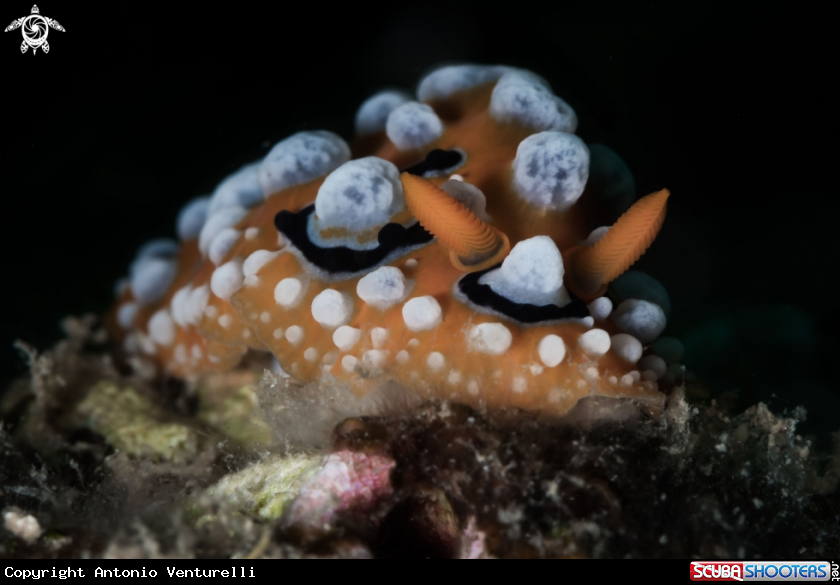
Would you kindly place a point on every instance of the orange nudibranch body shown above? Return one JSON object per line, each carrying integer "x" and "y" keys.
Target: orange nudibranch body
{"x": 446, "y": 251}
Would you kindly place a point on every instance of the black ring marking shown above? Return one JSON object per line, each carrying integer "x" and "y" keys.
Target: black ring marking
{"x": 341, "y": 258}
{"x": 437, "y": 161}
{"x": 483, "y": 296}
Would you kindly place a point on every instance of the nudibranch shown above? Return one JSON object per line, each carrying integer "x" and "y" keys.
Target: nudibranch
{"x": 446, "y": 250}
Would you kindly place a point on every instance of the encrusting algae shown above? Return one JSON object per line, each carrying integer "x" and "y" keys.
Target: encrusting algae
{"x": 446, "y": 251}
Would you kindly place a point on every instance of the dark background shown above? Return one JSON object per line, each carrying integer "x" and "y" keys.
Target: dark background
{"x": 732, "y": 107}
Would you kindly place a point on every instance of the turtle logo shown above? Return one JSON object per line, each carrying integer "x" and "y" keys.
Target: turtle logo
{"x": 35, "y": 29}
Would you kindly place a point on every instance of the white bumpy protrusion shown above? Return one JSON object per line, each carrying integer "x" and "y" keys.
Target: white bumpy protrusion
{"x": 532, "y": 273}
{"x": 422, "y": 313}
{"x": 191, "y": 218}
{"x": 358, "y": 196}
{"x": 151, "y": 277}
{"x": 222, "y": 244}
{"x": 180, "y": 306}
{"x": 332, "y": 308}
{"x": 551, "y": 169}
{"x": 635, "y": 284}
{"x": 374, "y": 111}
{"x": 227, "y": 279}
{"x": 641, "y": 319}
{"x": 241, "y": 188}
{"x": 595, "y": 342}
{"x": 413, "y": 125}
{"x": 600, "y": 309}
{"x": 444, "y": 81}
{"x": 226, "y": 217}
{"x": 520, "y": 96}
{"x": 490, "y": 338}
{"x": 345, "y": 337}
{"x": 301, "y": 158}
{"x": 162, "y": 328}
{"x": 289, "y": 292}
{"x": 552, "y": 350}
{"x": 384, "y": 287}
{"x": 626, "y": 347}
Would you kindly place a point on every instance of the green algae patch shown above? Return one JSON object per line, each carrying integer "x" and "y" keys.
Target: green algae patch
{"x": 235, "y": 416}
{"x": 265, "y": 489}
{"x": 134, "y": 425}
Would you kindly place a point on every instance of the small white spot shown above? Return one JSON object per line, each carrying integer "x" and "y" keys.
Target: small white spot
{"x": 587, "y": 322}
{"x": 374, "y": 358}
{"x": 490, "y": 338}
{"x": 384, "y": 287}
{"x": 612, "y": 380}
{"x": 627, "y": 380}
{"x": 591, "y": 374}
{"x": 332, "y": 308}
{"x": 348, "y": 363}
{"x": 196, "y": 352}
{"x": 595, "y": 342}
{"x": 289, "y": 292}
{"x": 345, "y": 337}
{"x": 265, "y": 317}
{"x": 552, "y": 350}
{"x": 413, "y": 342}
{"x": 581, "y": 385}
{"x": 294, "y": 334}
{"x": 379, "y": 337}
{"x": 422, "y": 313}
{"x": 162, "y": 328}
{"x": 227, "y": 279}
{"x": 536, "y": 369}
{"x": 211, "y": 311}
{"x": 435, "y": 361}
{"x": 251, "y": 233}
{"x": 454, "y": 377}
{"x": 555, "y": 394}
{"x": 329, "y": 358}
{"x": 519, "y": 384}
{"x": 402, "y": 357}
{"x": 636, "y": 375}
{"x": 126, "y": 314}
{"x": 311, "y": 354}
{"x": 180, "y": 353}
{"x": 254, "y": 263}
{"x": 246, "y": 333}
{"x": 472, "y": 387}
{"x": 411, "y": 263}
{"x": 456, "y": 177}
{"x": 225, "y": 320}
{"x": 278, "y": 333}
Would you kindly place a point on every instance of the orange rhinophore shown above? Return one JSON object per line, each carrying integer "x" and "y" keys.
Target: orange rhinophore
{"x": 473, "y": 245}
{"x": 448, "y": 253}
{"x": 593, "y": 267}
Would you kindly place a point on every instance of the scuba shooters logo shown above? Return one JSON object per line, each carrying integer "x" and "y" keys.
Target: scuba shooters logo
{"x": 35, "y": 29}
{"x": 763, "y": 571}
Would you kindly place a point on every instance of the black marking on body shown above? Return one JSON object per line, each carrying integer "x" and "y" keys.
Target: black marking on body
{"x": 437, "y": 162}
{"x": 341, "y": 258}
{"x": 483, "y": 296}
